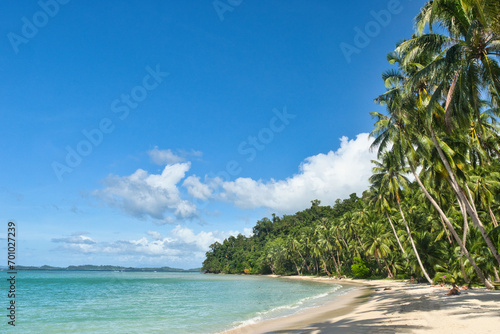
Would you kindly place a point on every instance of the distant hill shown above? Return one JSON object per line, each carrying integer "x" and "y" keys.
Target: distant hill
{"x": 89, "y": 267}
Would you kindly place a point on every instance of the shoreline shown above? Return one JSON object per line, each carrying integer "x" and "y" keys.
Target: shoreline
{"x": 339, "y": 306}
{"x": 383, "y": 306}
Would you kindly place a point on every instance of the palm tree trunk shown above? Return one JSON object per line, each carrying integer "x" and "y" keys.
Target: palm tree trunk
{"x": 495, "y": 271}
{"x": 493, "y": 218}
{"x": 446, "y": 230}
{"x": 466, "y": 224}
{"x": 360, "y": 243}
{"x": 447, "y": 110}
{"x": 466, "y": 230}
{"x": 453, "y": 231}
{"x": 458, "y": 191}
{"x": 464, "y": 238}
{"x": 338, "y": 260}
{"x": 305, "y": 262}
{"x": 394, "y": 269}
{"x": 345, "y": 243}
{"x": 389, "y": 272}
{"x": 324, "y": 267}
{"x": 462, "y": 269}
{"x": 413, "y": 245}
{"x": 296, "y": 267}
{"x": 395, "y": 234}
{"x": 335, "y": 262}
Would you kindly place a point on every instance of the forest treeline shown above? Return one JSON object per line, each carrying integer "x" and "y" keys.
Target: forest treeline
{"x": 432, "y": 206}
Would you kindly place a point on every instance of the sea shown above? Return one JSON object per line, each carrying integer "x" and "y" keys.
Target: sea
{"x": 152, "y": 302}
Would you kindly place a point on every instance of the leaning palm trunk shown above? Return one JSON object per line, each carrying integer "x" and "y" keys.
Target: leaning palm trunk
{"x": 338, "y": 260}
{"x": 453, "y": 231}
{"x": 395, "y": 234}
{"x": 413, "y": 245}
{"x": 447, "y": 110}
{"x": 324, "y": 266}
{"x": 464, "y": 236}
{"x": 335, "y": 262}
{"x": 389, "y": 272}
{"x": 464, "y": 241}
{"x": 304, "y": 260}
{"x": 468, "y": 207}
{"x": 299, "y": 272}
{"x": 493, "y": 218}
{"x": 495, "y": 271}
{"x": 446, "y": 230}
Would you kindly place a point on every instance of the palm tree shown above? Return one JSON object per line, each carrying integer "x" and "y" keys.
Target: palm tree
{"x": 378, "y": 243}
{"x": 389, "y": 175}
{"x": 484, "y": 184}
{"x": 465, "y": 64}
{"x": 463, "y": 69}
{"x": 380, "y": 202}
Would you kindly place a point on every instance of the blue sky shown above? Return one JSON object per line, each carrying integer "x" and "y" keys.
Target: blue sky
{"x": 139, "y": 132}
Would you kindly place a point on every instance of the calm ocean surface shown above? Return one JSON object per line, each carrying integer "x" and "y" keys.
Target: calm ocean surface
{"x": 121, "y": 302}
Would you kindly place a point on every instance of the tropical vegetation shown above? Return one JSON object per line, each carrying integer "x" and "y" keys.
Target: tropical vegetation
{"x": 432, "y": 206}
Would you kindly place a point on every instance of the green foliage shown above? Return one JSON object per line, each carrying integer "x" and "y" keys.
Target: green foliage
{"x": 359, "y": 268}
{"x": 442, "y": 99}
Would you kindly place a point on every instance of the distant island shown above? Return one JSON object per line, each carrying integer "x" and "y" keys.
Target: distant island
{"x": 89, "y": 267}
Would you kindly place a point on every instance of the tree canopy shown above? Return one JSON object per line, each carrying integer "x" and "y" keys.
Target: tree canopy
{"x": 431, "y": 210}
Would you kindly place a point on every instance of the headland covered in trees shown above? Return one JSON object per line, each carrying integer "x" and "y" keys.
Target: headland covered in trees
{"x": 433, "y": 205}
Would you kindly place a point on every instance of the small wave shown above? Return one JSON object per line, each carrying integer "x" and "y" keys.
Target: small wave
{"x": 248, "y": 322}
{"x": 279, "y": 308}
{"x": 275, "y": 313}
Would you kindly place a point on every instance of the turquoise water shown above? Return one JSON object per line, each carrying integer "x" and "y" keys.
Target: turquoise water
{"x": 123, "y": 302}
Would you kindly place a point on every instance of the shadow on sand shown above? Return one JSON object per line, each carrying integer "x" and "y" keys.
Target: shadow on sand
{"x": 394, "y": 302}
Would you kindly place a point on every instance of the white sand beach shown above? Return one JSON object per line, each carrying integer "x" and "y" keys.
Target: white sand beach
{"x": 381, "y": 306}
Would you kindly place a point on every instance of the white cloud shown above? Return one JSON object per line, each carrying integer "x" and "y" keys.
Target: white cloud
{"x": 164, "y": 157}
{"x": 181, "y": 245}
{"x": 202, "y": 191}
{"x": 248, "y": 232}
{"x": 142, "y": 194}
{"x": 155, "y": 235}
{"x": 78, "y": 242}
{"x": 326, "y": 177}
{"x": 167, "y": 157}
{"x": 75, "y": 239}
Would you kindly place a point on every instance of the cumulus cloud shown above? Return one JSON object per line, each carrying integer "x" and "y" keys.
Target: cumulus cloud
{"x": 78, "y": 242}
{"x": 199, "y": 190}
{"x": 181, "y": 245}
{"x": 164, "y": 157}
{"x": 167, "y": 157}
{"x": 155, "y": 195}
{"x": 326, "y": 177}
{"x": 155, "y": 235}
{"x": 75, "y": 239}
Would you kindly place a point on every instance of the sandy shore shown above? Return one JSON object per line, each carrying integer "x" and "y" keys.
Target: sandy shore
{"x": 392, "y": 307}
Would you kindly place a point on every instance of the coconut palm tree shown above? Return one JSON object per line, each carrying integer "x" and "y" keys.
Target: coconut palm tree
{"x": 380, "y": 201}
{"x": 378, "y": 244}
{"x": 389, "y": 175}
{"x": 464, "y": 68}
